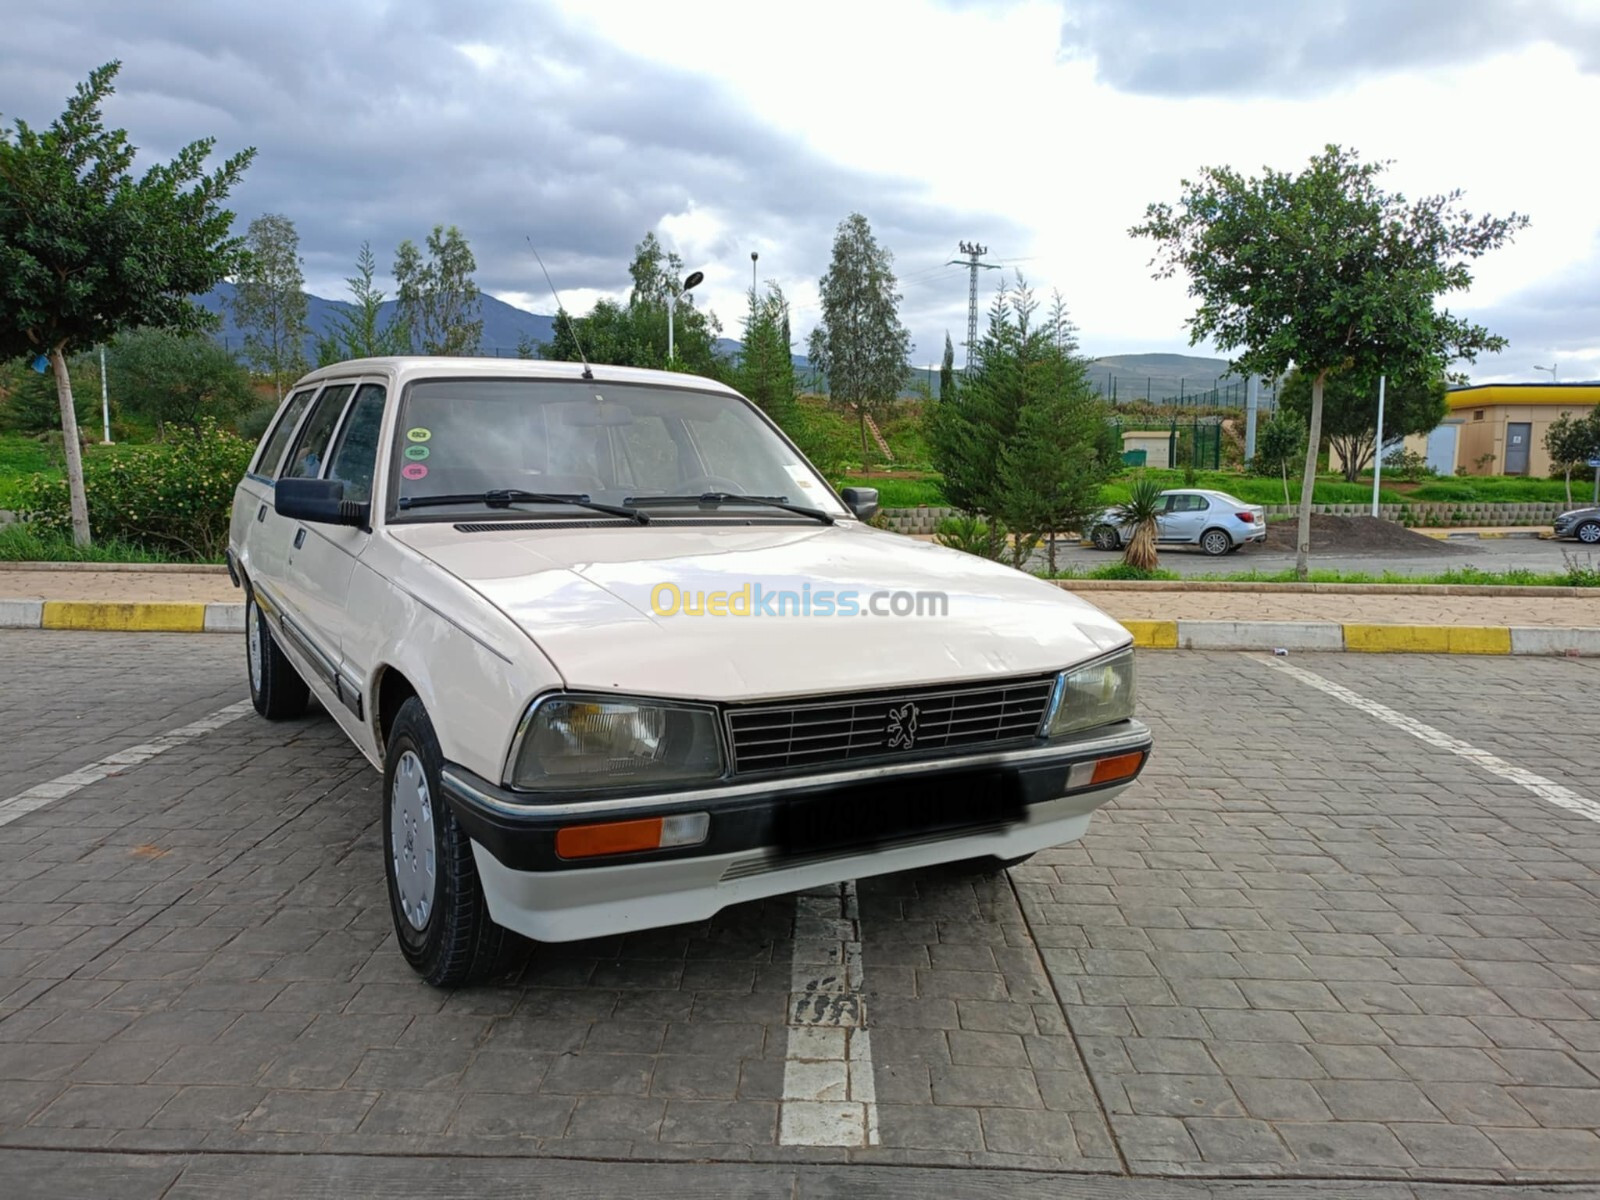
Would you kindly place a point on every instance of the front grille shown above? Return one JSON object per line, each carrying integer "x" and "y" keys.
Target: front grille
{"x": 843, "y": 729}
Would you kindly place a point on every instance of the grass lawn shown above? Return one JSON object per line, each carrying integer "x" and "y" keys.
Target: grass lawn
{"x": 19, "y": 458}
{"x": 18, "y": 543}
{"x": 901, "y": 493}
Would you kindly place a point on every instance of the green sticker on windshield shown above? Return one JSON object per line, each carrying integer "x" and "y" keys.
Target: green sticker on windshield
{"x": 419, "y": 434}
{"x": 417, "y": 453}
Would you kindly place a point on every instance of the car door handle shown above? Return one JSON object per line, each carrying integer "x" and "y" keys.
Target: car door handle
{"x": 261, "y": 513}
{"x": 300, "y": 537}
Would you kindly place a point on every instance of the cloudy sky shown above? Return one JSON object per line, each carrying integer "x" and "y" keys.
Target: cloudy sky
{"x": 1041, "y": 128}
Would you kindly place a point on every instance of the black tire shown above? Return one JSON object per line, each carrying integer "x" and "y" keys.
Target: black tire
{"x": 1588, "y": 533}
{"x": 456, "y": 942}
{"x": 1216, "y": 542}
{"x": 1105, "y": 537}
{"x": 276, "y": 688}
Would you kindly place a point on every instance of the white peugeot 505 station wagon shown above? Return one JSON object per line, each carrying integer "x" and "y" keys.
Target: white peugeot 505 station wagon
{"x": 625, "y": 658}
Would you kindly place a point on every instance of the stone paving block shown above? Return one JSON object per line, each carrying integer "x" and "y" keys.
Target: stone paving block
{"x": 1235, "y": 1141}
{"x": 985, "y": 1087}
{"x": 1349, "y": 1143}
{"x": 741, "y": 1122}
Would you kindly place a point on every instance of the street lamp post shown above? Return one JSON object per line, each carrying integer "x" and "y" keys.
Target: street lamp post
{"x": 1551, "y": 368}
{"x": 672, "y": 306}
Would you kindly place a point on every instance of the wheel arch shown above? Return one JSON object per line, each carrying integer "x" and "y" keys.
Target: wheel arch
{"x": 390, "y": 690}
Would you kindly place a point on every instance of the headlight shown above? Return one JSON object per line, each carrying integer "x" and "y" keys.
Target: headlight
{"x": 1095, "y": 694}
{"x": 575, "y": 742}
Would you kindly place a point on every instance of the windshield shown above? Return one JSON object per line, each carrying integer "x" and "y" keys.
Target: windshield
{"x": 605, "y": 441}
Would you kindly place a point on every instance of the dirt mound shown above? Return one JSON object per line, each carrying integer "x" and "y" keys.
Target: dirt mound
{"x": 1356, "y": 535}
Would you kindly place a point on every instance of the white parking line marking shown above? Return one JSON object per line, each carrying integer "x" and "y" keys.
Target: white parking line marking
{"x": 63, "y": 786}
{"x": 1546, "y": 789}
{"x": 829, "y": 1097}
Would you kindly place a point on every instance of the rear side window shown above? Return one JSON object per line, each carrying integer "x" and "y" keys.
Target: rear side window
{"x": 357, "y": 452}
{"x": 274, "y": 444}
{"x": 311, "y": 447}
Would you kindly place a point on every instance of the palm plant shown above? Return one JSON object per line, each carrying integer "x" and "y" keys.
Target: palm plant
{"x": 1143, "y": 505}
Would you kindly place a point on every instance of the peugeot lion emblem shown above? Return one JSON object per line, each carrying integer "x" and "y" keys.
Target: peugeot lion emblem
{"x": 902, "y": 728}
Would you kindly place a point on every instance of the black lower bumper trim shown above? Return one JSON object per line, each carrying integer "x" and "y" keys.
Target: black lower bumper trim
{"x": 794, "y": 816}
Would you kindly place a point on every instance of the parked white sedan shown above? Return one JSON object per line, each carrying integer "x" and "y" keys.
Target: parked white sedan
{"x": 1215, "y": 521}
{"x": 625, "y": 658}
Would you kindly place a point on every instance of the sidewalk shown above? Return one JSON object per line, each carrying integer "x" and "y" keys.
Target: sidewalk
{"x": 1162, "y": 615}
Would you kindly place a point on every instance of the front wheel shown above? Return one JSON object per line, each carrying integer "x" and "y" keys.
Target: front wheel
{"x": 276, "y": 688}
{"x": 1105, "y": 537}
{"x": 1215, "y": 542}
{"x": 435, "y": 897}
{"x": 1588, "y": 533}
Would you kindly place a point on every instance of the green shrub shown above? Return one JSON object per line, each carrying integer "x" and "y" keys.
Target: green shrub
{"x": 973, "y": 535}
{"x": 174, "y": 497}
{"x": 254, "y": 423}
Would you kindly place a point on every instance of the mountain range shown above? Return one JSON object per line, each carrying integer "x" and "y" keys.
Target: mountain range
{"x": 505, "y": 325}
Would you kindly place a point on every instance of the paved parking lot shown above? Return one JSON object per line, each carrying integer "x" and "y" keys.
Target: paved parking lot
{"x": 1346, "y": 927}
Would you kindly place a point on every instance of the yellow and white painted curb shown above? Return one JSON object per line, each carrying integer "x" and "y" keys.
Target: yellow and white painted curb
{"x": 125, "y": 617}
{"x": 122, "y": 616}
{"x": 1365, "y": 638}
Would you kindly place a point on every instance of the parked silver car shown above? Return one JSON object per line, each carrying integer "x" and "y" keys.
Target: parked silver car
{"x": 1580, "y": 523}
{"x": 1215, "y": 521}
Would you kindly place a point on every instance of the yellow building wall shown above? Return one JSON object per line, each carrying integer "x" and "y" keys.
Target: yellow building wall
{"x": 1485, "y": 412}
{"x": 1482, "y": 447}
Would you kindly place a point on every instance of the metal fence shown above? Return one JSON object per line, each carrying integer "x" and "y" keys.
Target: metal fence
{"x": 1195, "y": 442}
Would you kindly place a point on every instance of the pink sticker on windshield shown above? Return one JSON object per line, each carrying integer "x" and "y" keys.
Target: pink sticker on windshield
{"x": 414, "y": 470}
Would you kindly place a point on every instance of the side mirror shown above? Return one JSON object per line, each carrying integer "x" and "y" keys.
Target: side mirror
{"x": 318, "y": 500}
{"x": 862, "y": 501}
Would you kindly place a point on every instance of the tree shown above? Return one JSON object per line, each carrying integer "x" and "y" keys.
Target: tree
{"x": 87, "y": 250}
{"x": 765, "y": 368}
{"x": 635, "y": 334}
{"x": 1141, "y": 509}
{"x": 860, "y": 345}
{"x": 1350, "y": 411}
{"x": 1324, "y": 271}
{"x": 28, "y": 400}
{"x": 1571, "y": 442}
{"x": 1280, "y": 443}
{"x": 1025, "y": 442}
{"x": 178, "y": 379}
{"x": 269, "y": 302}
{"x": 947, "y": 371}
{"x": 439, "y": 304}
{"x": 361, "y": 332}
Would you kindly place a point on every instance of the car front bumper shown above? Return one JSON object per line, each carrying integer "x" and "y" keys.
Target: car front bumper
{"x": 533, "y": 891}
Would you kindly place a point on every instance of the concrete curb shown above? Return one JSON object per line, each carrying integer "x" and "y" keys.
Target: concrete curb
{"x": 132, "y": 568}
{"x": 122, "y": 617}
{"x": 1323, "y": 636}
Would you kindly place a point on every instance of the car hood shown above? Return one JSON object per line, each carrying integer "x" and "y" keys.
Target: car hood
{"x": 585, "y": 598}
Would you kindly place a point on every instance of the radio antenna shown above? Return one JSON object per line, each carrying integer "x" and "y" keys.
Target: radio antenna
{"x": 561, "y": 310}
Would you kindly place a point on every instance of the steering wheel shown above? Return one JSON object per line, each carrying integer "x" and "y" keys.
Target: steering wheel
{"x": 701, "y": 484}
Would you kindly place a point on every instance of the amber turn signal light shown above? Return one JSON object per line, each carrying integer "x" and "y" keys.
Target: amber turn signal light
{"x": 631, "y": 837}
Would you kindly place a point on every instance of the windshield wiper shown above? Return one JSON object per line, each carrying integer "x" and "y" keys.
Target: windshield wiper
{"x": 714, "y": 499}
{"x": 506, "y": 497}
